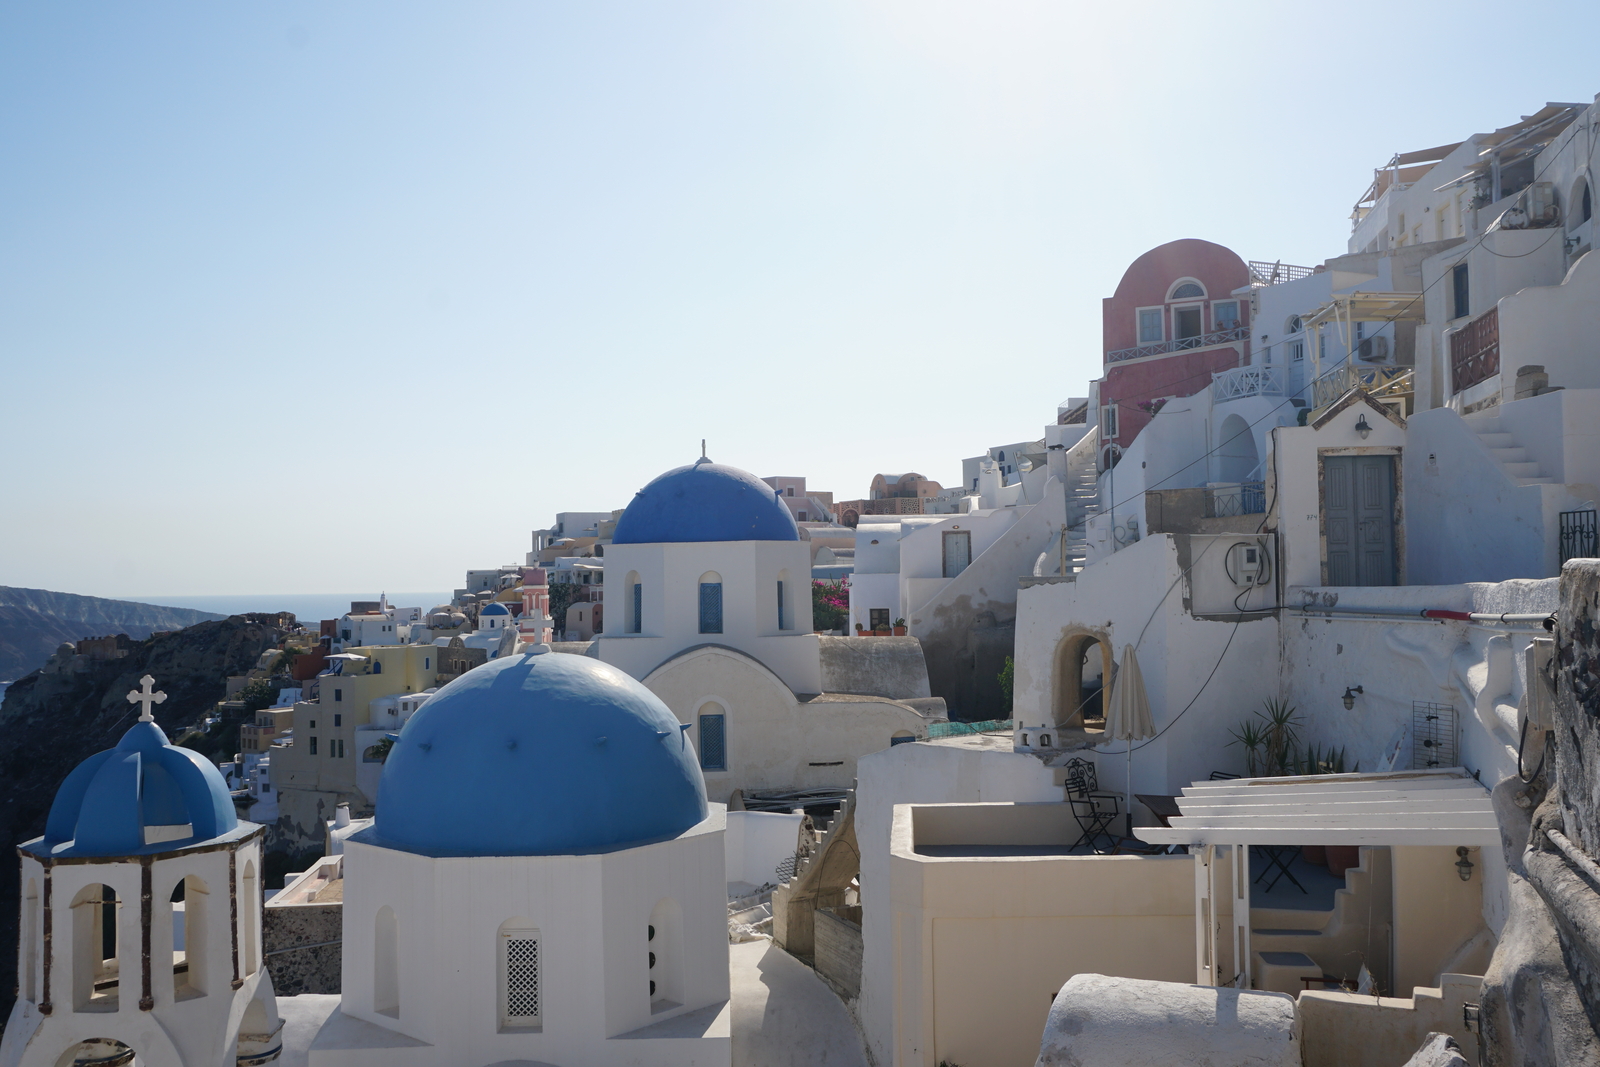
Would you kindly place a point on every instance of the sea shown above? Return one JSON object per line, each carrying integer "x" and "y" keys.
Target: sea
{"x": 308, "y": 608}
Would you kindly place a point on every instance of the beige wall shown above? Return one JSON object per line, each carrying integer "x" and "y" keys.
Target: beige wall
{"x": 1435, "y": 912}
{"x": 1350, "y": 1030}
{"x": 774, "y": 741}
{"x": 982, "y": 944}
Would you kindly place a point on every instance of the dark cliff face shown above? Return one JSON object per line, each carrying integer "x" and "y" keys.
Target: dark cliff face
{"x": 34, "y": 622}
{"x": 50, "y": 722}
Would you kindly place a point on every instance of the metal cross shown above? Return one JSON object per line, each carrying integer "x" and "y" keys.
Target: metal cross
{"x": 146, "y": 696}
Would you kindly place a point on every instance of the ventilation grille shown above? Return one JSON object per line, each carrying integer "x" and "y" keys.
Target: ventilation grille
{"x": 522, "y": 977}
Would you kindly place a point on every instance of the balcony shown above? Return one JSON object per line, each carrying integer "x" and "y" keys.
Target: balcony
{"x": 1180, "y": 344}
{"x": 1240, "y": 498}
{"x": 1475, "y": 351}
{"x": 1241, "y": 382}
{"x": 1263, "y": 274}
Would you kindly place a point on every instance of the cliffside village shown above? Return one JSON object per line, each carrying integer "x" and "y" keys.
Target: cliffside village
{"x": 1238, "y": 714}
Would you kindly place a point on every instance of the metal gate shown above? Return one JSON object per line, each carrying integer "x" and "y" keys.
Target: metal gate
{"x": 1578, "y": 535}
{"x": 1433, "y": 735}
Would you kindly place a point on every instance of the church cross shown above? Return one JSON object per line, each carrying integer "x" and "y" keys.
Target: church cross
{"x": 147, "y": 696}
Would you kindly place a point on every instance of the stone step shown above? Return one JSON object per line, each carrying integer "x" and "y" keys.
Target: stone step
{"x": 1497, "y": 440}
{"x": 1521, "y": 470}
{"x": 1513, "y": 454}
{"x": 1535, "y": 481}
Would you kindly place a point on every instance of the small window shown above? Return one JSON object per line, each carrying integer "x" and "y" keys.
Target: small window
{"x": 711, "y": 607}
{"x": 338, "y": 694}
{"x": 1297, "y": 351}
{"x": 313, "y": 746}
{"x": 338, "y": 720}
{"x": 782, "y": 624}
{"x": 427, "y": 663}
{"x": 638, "y": 609}
{"x": 790, "y": 492}
{"x": 1460, "y": 292}
{"x": 519, "y": 979}
{"x": 1187, "y": 291}
{"x": 377, "y": 667}
{"x": 1150, "y": 326}
{"x": 713, "y": 741}
{"x": 802, "y": 516}
{"x": 1295, "y": 326}
{"x": 878, "y": 618}
{"x": 1108, "y": 420}
{"x": 1225, "y": 314}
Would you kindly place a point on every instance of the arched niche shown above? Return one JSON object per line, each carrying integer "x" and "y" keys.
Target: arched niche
{"x": 1083, "y": 666}
{"x": 1237, "y": 457}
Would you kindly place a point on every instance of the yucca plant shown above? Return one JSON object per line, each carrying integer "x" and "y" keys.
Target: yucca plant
{"x": 1251, "y": 737}
{"x": 1281, "y": 729}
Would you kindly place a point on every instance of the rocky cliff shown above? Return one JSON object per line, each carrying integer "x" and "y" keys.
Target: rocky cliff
{"x": 54, "y": 718}
{"x": 34, "y": 622}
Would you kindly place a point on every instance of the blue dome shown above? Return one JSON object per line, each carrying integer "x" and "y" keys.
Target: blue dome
{"x": 104, "y": 805}
{"x": 538, "y": 755}
{"x": 495, "y": 609}
{"x": 706, "y": 501}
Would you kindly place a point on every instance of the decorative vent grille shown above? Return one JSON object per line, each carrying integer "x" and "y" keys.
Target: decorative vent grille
{"x": 711, "y": 607}
{"x": 522, "y": 978}
{"x": 713, "y": 743}
{"x": 1433, "y": 735}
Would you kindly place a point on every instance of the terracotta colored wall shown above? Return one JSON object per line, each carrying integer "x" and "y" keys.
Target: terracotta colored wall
{"x": 1148, "y": 278}
{"x": 1180, "y": 374}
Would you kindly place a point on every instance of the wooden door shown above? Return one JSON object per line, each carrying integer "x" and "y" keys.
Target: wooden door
{"x": 1358, "y": 519}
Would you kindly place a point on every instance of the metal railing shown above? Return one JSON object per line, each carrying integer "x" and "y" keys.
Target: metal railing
{"x": 1263, "y": 273}
{"x": 1246, "y": 498}
{"x": 1240, "y": 382}
{"x": 1180, "y": 344}
{"x": 1578, "y": 535}
{"x": 1475, "y": 351}
{"x": 1379, "y": 381}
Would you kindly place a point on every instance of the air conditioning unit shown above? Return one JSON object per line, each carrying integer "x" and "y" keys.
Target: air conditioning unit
{"x": 1374, "y": 350}
{"x": 1539, "y": 202}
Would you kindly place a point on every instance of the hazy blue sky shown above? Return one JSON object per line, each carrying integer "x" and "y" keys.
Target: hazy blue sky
{"x": 301, "y": 297}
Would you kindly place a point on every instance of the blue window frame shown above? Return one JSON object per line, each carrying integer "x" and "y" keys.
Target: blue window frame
{"x": 782, "y": 624}
{"x": 711, "y": 607}
{"x": 713, "y": 743}
{"x": 638, "y": 609}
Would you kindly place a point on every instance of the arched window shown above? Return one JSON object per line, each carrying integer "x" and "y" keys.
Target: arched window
{"x": 386, "y": 964}
{"x": 1293, "y": 325}
{"x": 711, "y": 603}
{"x": 713, "y": 729}
{"x": 635, "y": 605}
{"x": 30, "y": 942}
{"x": 518, "y": 955}
{"x": 665, "y": 947}
{"x": 95, "y": 967}
{"x": 189, "y": 929}
{"x": 249, "y": 918}
{"x": 377, "y": 666}
{"x": 1187, "y": 290}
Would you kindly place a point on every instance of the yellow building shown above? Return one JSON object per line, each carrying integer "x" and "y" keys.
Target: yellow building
{"x": 321, "y": 769}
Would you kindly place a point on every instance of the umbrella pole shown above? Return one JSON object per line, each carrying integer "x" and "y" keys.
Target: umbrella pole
{"x": 1130, "y": 787}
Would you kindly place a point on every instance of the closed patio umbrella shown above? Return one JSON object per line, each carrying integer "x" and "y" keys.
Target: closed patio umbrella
{"x": 1128, "y": 717}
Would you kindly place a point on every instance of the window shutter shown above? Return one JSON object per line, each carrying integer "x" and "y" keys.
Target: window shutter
{"x": 713, "y": 743}
{"x": 711, "y": 607}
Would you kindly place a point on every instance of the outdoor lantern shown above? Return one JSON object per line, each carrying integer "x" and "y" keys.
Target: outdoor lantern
{"x": 1361, "y": 426}
{"x": 1463, "y": 865}
{"x": 1350, "y": 697}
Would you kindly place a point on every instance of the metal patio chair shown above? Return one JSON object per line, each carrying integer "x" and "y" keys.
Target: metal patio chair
{"x": 1094, "y": 811}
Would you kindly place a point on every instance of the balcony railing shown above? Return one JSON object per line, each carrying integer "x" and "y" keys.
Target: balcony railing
{"x": 1245, "y": 498}
{"x": 1379, "y": 381}
{"x": 1475, "y": 351}
{"x": 1241, "y": 382}
{"x": 1181, "y": 344}
{"x": 1263, "y": 274}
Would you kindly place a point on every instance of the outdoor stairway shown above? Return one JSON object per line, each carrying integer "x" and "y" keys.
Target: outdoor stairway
{"x": 1083, "y": 501}
{"x": 1521, "y": 468}
{"x": 1331, "y": 938}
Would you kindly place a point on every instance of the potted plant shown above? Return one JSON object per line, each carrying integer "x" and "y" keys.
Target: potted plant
{"x": 899, "y": 627}
{"x": 861, "y": 631}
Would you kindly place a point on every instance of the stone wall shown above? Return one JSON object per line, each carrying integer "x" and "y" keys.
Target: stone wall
{"x": 302, "y": 945}
{"x": 1541, "y": 997}
{"x": 838, "y": 948}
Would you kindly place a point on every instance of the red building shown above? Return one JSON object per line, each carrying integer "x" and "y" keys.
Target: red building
{"x": 1174, "y": 321}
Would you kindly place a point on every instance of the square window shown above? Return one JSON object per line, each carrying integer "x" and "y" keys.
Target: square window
{"x": 1225, "y": 314}
{"x": 1150, "y": 326}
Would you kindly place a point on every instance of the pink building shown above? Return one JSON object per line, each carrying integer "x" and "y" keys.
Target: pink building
{"x": 1174, "y": 321}
{"x": 535, "y": 606}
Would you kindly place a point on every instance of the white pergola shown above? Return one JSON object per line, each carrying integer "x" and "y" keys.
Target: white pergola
{"x": 1446, "y": 806}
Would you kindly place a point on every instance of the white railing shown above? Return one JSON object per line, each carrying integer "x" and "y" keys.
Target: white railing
{"x": 1240, "y": 382}
{"x": 1181, "y": 344}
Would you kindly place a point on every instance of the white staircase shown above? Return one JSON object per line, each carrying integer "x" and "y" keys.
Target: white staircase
{"x": 1520, "y": 467}
{"x": 1083, "y": 501}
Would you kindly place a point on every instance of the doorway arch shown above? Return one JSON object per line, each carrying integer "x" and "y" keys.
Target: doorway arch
{"x": 1237, "y": 457}
{"x": 1082, "y": 668}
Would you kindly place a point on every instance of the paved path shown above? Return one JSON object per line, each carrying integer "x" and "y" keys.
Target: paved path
{"x": 784, "y": 1015}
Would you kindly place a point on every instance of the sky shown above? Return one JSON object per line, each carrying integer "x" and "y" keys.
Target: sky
{"x": 315, "y": 297}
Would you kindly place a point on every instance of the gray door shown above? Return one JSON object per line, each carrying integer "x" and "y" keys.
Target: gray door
{"x": 957, "y": 553}
{"x": 1358, "y": 519}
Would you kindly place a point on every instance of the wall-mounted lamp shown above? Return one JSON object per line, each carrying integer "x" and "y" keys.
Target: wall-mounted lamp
{"x": 1463, "y": 865}
{"x": 1350, "y": 692}
{"x": 1361, "y": 426}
